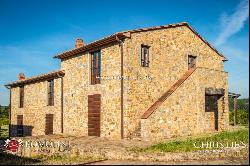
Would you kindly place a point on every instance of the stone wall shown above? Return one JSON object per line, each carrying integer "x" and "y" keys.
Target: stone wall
{"x": 169, "y": 50}
{"x": 77, "y": 87}
{"x": 36, "y": 107}
{"x": 183, "y": 113}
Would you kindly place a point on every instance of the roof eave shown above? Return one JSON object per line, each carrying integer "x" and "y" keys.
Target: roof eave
{"x": 48, "y": 76}
{"x": 92, "y": 46}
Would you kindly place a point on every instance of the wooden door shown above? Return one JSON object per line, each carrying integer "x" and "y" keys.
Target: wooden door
{"x": 49, "y": 124}
{"x": 19, "y": 125}
{"x": 94, "y": 110}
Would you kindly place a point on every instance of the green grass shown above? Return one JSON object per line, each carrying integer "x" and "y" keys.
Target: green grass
{"x": 55, "y": 159}
{"x": 188, "y": 144}
{"x": 4, "y": 133}
{"x": 9, "y": 159}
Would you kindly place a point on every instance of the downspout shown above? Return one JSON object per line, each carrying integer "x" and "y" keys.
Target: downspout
{"x": 122, "y": 114}
{"x": 62, "y": 111}
{"x": 9, "y": 109}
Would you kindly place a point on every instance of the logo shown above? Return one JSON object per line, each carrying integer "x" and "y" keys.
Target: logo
{"x": 13, "y": 145}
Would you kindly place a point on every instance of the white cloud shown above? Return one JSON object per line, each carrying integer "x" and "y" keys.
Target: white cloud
{"x": 231, "y": 24}
{"x": 235, "y": 54}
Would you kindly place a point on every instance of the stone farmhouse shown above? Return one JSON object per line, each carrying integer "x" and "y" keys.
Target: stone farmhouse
{"x": 159, "y": 82}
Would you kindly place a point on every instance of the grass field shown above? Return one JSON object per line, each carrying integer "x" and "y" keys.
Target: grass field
{"x": 188, "y": 144}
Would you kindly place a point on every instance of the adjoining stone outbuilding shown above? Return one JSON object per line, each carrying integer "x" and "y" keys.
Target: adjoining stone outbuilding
{"x": 158, "y": 82}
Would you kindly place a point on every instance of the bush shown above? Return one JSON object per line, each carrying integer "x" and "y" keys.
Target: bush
{"x": 4, "y": 121}
{"x": 242, "y": 117}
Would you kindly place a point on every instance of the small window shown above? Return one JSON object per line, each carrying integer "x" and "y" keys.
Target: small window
{"x": 21, "y": 91}
{"x": 96, "y": 67}
{"x": 51, "y": 92}
{"x": 144, "y": 56}
{"x": 191, "y": 61}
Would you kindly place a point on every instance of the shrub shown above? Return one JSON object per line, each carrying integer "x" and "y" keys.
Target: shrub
{"x": 242, "y": 117}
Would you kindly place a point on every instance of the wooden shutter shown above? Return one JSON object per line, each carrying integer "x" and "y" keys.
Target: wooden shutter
{"x": 49, "y": 124}
{"x": 51, "y": 92}
{"x": 19, "y": 125}
{"x": 146, "y": 56}
{"x": 94, "y": 111}
{"x": 21, "y": 96}
{"x": 142, "y": 56}
{"x": 98, "y": 69}
{"x": 95, "y": 67}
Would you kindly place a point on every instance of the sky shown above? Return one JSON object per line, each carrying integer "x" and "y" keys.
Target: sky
{"x": 33, "y": 31}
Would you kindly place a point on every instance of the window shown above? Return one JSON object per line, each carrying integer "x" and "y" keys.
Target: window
{"x": 51, "y": 92}
{"x": 21, "y": 91}
{"x": 211, "y": 103}
{"x": 191, "y": 61}
{"x": 144, "y": 56}
{"x": 96, "y": 67}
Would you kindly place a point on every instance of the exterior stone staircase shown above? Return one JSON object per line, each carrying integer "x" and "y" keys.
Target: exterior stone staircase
{"x": 168, "y": 93}
{"x": 136, "y": 135}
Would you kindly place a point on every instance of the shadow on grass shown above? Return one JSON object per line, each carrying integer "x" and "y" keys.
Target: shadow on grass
{"x": 9, "y": 159}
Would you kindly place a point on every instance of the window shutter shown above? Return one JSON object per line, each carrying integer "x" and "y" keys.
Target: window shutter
{"x": 21, "y": 100}
{"x": 142, "y": 56}
{"x": 147, "y": 57}
{"x": 51, "y": 92}
{"x": 95, "y": 67}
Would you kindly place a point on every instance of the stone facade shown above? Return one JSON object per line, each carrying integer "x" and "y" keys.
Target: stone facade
{"x": 169, "y": 50}
{"x": 35, "y": 108}
{"x": 183, "y": 113}
{"x": 77, "y": 87}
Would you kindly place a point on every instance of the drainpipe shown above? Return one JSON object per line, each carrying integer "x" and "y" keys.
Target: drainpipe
{"x": 8, "y": 87}
{"x": 61, "y": 102}
{"x": 122, "y": 121}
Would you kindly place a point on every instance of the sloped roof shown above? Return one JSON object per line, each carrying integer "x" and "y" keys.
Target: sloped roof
{"x": 126, "y": 34}
{"x": 47, "y": 76}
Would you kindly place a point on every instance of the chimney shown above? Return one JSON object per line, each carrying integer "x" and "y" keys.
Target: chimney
{"x": 79, "y": 43}
{"x": 21, "y": 76}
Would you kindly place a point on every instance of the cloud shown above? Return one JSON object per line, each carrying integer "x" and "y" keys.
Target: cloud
{"x": 235, "y": 54}
{"x": 231, "y": 24}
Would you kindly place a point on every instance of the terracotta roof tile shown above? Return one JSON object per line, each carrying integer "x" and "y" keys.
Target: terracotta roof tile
{"x": 124, "y": 34}
{"x": 50, "y": 75}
